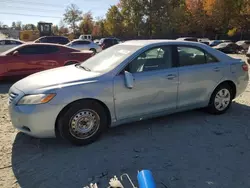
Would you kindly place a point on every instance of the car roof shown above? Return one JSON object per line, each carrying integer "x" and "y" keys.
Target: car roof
{"x": 182, "y": 38}
{"x": 151, "y": 43}
{"x": 53, "y": 37}
{"x": 110, "y": 38}
{"x": 80, "y": 40}
{"x": 12, "y": 39}
{"x": 148, "y": 42}
{"x": 42, "y": 44}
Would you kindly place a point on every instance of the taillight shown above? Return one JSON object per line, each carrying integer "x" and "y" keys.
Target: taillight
{"x": 245, "y": 67}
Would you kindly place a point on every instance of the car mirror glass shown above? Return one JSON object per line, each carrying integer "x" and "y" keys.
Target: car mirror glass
{"x": 129, "y": 80}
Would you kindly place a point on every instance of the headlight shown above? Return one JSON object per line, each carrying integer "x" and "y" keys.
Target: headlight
{"x": 36, "y": 99}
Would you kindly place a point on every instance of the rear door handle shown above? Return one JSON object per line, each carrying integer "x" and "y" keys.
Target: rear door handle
{"x": 217, "y": 69}
{"x": 171, "y": 76}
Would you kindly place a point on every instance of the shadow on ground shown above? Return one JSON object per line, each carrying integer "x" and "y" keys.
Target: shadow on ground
{"x": 191, "y": 149}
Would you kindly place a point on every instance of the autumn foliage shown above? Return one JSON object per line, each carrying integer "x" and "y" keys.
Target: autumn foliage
{"x": 170, "y": 18}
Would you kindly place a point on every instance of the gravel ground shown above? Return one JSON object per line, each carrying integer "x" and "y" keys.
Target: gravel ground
{"x": 190, "y": 149}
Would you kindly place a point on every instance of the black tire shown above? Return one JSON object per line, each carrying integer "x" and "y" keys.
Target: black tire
{"x": 93, "y": 50}
{"x": 65, "y": 122}
{"x": 212, "y": 108}
{"x": 70, "y": 63}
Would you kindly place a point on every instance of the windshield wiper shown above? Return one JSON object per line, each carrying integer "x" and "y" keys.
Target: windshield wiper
{"x": 82, "y": 67}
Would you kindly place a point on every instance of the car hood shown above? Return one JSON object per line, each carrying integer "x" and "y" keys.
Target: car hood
{"x": 54, "y": 78}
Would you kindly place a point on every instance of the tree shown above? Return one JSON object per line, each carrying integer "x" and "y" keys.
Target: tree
{"x": 135, "y": 16}
{"x": 29, "y": 27}
{"x": 62, "y": 29}
{"x": 13, "y": 25}
{"x": 55, "y": 29}
{"x": 86, "y": 25}
{"x": 113, "y": 23}
{"x": 18, "y": 25}
{"x": 198, "y": 17}
{"x": 71, "y": 16}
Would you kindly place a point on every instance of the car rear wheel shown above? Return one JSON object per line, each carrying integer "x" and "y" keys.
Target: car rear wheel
{"x": 221, "y": 100}
{"x": 83, "y": 122}
{"x": 93, "y": 50}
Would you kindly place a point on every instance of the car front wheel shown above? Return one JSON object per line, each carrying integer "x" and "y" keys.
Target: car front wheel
{"x": 83, "y": 122}
{"x": 221, "y": 100}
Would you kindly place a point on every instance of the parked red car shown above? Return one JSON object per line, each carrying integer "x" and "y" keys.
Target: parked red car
{"x": 30, "y": 58}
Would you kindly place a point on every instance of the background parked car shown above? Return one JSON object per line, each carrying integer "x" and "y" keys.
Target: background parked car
{"x": 244, "y": 44}
{"x": 86, "y": 37}
{"x": 229, "y": 47}
{"x": 108, "y": 42}
{"x": 53, "y": 39}
{"x": 248, "y": 55}
{"x": 213, "y": 43}
{"x": 194, "y": 39}
{"x": 96, "y": 41}
{"x": 6, "y": 44}
{"x": 85, "y": 45}
{"x": 33, "y": 57}
{"x": 204, "y": 40}
{"x": 226, "y": 40}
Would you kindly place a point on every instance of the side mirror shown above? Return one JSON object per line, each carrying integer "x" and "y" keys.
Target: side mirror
{"x": 129, "y": 80}
{"x": 15, "y": 53}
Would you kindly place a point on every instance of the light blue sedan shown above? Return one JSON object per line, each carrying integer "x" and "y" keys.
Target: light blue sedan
{"x": 131, "y": 81}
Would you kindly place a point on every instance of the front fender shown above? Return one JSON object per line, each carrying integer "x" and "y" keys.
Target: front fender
{"x": 94, "y": 90}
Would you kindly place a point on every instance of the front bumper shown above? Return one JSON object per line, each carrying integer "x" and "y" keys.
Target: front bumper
{"x": 34, "y": 120}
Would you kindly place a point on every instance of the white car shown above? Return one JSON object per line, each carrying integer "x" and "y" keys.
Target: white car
{"x": 244, "y": 44}
{"x": 85, "y": 45}
{"x": 6, "y": 44}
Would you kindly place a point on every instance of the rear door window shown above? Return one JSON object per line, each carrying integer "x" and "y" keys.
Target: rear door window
{"x": 189, "y": 56}
{"x": 35, "y": 50}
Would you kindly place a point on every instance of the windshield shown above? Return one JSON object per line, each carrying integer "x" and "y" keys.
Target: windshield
{"x": 109, "y": 58}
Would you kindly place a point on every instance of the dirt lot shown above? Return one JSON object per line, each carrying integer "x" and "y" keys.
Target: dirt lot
{"x": 190, "y": 149}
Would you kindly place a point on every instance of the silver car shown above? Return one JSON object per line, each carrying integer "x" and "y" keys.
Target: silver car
{"x": 85, "y": 45}
{"x": 6, "y": 44}
{"x": 131, "y": 81}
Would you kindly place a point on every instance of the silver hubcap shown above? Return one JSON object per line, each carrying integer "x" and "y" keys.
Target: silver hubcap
{"x": 84, "y": 124}
{"x": 222, "y": 99}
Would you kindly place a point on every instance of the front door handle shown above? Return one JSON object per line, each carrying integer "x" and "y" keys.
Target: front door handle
{"x": 171, "y": 76}
{"x": 217, "y": 69}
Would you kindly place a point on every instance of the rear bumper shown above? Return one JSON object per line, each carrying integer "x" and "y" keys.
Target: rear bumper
{"x": 242, "y": 85}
